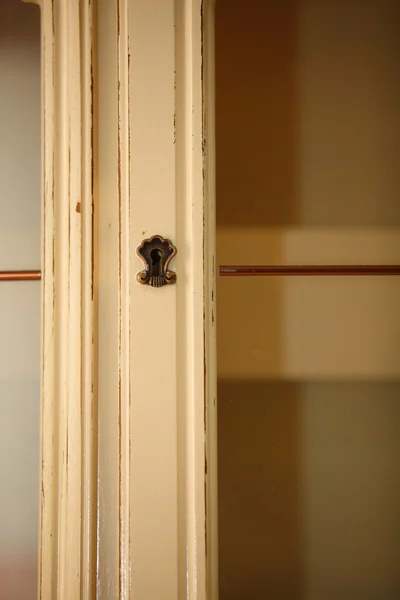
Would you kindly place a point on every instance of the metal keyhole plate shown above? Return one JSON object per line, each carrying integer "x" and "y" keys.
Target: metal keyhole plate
{"x": 156, "y": 253}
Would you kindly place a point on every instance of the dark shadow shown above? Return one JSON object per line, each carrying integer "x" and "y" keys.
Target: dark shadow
{"x": 257, "y": 185}
{"x": 260, "y": 507}
{"x": 256, "y": 113}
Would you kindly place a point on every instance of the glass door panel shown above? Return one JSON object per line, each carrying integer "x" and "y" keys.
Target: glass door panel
{"x": 308, "y": 327}
{"x": 20, "y": 304}
{"x": 308, "y": 130}
{"x": 309, "y": 489}
{"x": 308, "y": 141}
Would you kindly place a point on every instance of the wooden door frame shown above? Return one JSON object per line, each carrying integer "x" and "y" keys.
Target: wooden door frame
{"x": 67, "y": 556}
{"x": 71, "y": 272}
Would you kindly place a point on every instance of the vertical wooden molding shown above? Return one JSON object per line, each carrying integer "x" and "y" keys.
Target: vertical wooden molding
{"x": 191, "y": 324}
{"x": 69, "y": 415}
{"x": 157, "y": 409}
{"x": 124, "y": 298}
{"x": 114, "y": 505}
{"x": 196, "y": 326}
{"x": 180, "y": 206}
{"x": 210, "y": 297}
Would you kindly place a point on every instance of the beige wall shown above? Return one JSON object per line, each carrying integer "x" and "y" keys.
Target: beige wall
{"x": 20, "y": 159}
{"x": 308, "y": 136}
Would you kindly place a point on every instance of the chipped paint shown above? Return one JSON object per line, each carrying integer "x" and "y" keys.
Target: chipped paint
{"x": 68, "y": 499}
{"x": 208, "y": 156}
{"x": 123, "y": 334}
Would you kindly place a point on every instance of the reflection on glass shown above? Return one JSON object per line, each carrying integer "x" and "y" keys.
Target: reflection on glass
{"x": 309, "y": 489}
{"x": 309, "y": 450}
{"x": 308, "y": 131}
{"x": 308, "y": 144}
{"x": 20, "y": 148}
{"x": 19, "y": 438}
{"x": 20, "y": 158}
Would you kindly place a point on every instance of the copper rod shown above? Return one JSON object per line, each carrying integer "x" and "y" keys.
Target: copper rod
{"x": 260, "y": 270}
{"x": 20, "y": 275}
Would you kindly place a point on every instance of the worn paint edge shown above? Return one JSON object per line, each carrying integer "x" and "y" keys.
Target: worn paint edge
{"x": 124, "y": 328}
{"x": 68, "y": 414}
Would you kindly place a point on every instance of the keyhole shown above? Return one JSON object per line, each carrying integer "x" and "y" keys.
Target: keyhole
{"x": 156, "y": 256}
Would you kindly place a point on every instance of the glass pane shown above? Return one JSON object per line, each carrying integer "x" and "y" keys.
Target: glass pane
{"x": 308, "y": 146}
{"x": 309, "y": 490}
{"x": 308, "y": 327}
{"x": 308, "y": 130}
{"x": 308, "y": 438}
{"x": 19, "y": 438}
{"x": 20, "y": 124}
{"x": 20, "y": 197}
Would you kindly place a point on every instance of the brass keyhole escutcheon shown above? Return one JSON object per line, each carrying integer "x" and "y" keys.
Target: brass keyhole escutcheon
{"x": 156, "y": 253}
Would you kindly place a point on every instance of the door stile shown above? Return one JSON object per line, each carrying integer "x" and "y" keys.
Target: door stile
{"x": 156, "y": 346}
{"x": 68, "y": 405}
{"x": 210, "y": 296}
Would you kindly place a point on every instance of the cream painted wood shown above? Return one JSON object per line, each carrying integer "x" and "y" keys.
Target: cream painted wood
{"x": 157, "y": 426}
{"x": 210, "y": 289}
{"x": 156, "y": 502}
{"x": 68, "y": 429}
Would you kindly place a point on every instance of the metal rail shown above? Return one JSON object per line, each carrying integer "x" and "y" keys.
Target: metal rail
{"x": 260, "y": 270}
{"x": 20, "y": 275}
{"x": 256, "y": 271}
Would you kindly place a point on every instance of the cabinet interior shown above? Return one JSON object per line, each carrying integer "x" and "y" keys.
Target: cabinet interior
{"x": 308, "y": 146}
{"x": 20, "y": 301}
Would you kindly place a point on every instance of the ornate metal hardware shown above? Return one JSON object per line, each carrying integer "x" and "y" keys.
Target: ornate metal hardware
{"x": 156, "y": 253}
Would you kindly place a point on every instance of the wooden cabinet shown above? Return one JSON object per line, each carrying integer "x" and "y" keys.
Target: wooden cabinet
{"x": 128, "y": 408}
{"x": 275, "y": 144}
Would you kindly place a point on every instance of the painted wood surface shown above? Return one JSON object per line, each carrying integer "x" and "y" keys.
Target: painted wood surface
{"x": 144, "y": 427}
{"x": 155, "y": 177}
{"x": 68, "y": 431}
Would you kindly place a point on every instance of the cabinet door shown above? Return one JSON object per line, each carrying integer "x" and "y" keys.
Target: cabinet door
{"x": 153, "y": 423}
{"x": 68, "y": 500}
{"x": 128, "y": 403}
{"x": 19, "y": 298}
{"x": 308, "y": 131}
